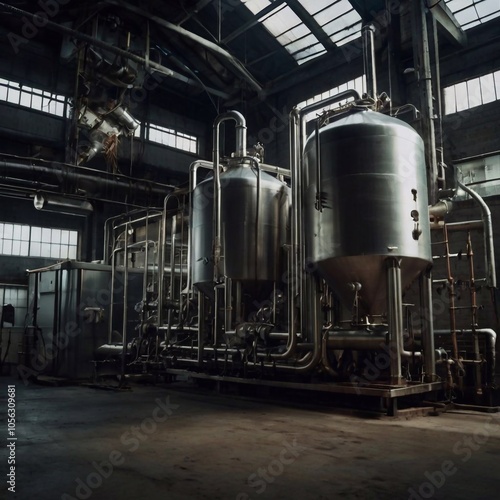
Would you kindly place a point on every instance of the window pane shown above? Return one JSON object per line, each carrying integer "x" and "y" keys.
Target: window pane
{"x": 56, "y": 236}
{"x": 8, "y": 231}
{"x": 474, "y": 91}
{"x": 13, "y": 96}
{"x": 449, "y": 100}
{"x": 16, "y": 247}
{"x": 35, "y": 250}
{"x": 46, "y": 233}
{"x": 16, "y": 234}
{"x": 64, "y": 237}
{"x": 488, "y": 88}
{"x": 25, "y": 99}
{"x": 45, "y": 250}
{"x": 462, "y": 96}
{"x": 24, "y": 248}
{"x": 36, "y": 234}
{"x": 7, "y": 247}
{"x": 55, "y": 251}
{"x": 73, "y": 237}
{"x": 25, "y": 233}
{"x": 72, "y": 253}
{"x": 59, "y": 108}
{"x": 36, "y": 102}
{"x": 496, "y": 76}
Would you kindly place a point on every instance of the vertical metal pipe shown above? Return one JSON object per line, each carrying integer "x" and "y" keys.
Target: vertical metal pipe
{"x": 241, "y": 146}
{"x": 216, "y": 322}
{"x": 112, "y": 297}
{"x": 319, "y": 203}
{"x": 294, "y": 271}
{"x": 201, "y": 326}
{"x": 423, "y": 65}
{"x": 145, "y": 276}
{"x": 228, "y": 306}
{"x": 193, "y": 182}
{"x": 181, "y": 257}
{"x": 172, "y": 271}
{"x": 161, "y": 259}
{"x": 125, "y": 307}
{"x": 395, "y": 318}
{"x": 257, "y": 222}
{"x": 369, "y": 65}
{"x": 452, "y": 294}
{"x": 238, "y": 299}
{"x": 426, "y": 313}
{"x": 473, "y": 305}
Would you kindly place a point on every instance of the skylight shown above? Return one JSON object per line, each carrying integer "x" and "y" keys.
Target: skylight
{"x": 289, "y": 30}
{"x": 470, "y": 13}
{"x": 337, "y": 18}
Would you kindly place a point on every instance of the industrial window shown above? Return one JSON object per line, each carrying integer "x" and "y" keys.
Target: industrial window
{"x": 16, "y": 296}
{"x": 358, "y": 84}
{"x": 471, "y": 13}
{"x": 172, "y": 138}
{"x": 29, "y": 97}
{"x": 472, "y": 93}
{"x": 33, "y": 241}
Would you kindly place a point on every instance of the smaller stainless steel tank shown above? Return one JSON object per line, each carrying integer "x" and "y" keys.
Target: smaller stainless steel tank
{"x": 254, "y": 214}
{"x": 374, "y": 205}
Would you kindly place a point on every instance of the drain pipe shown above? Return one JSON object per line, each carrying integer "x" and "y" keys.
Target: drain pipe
{"x": 489, "y": 247}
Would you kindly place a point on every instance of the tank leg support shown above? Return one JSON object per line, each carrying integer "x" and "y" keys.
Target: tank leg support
{"x": 395, "y": 318}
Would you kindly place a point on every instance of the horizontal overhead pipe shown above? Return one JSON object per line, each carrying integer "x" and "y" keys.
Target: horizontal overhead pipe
{"x": 91, "y": 180}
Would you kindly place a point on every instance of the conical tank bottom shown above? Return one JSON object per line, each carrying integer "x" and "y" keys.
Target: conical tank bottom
{"x": 371, "y": 272}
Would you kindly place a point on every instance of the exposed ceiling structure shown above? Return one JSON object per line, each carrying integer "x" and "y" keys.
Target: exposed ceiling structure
{"x": 221, "y": 49}
{"x": 208, "y": 54}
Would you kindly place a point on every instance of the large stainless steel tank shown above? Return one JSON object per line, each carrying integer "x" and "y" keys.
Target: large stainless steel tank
{"x": 254, "y": 216}
{"x": 374, "y": 196}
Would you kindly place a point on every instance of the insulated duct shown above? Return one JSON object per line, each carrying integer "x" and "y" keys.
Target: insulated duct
{"x": 93, "y": 182}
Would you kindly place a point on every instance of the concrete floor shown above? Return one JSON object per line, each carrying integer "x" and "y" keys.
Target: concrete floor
{"x": 171, "y": 444}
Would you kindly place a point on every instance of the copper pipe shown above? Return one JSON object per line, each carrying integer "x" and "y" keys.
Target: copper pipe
{"x": 452, "y": 295}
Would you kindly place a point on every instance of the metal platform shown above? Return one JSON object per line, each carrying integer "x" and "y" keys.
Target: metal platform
{"x": 374, "y": 390}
